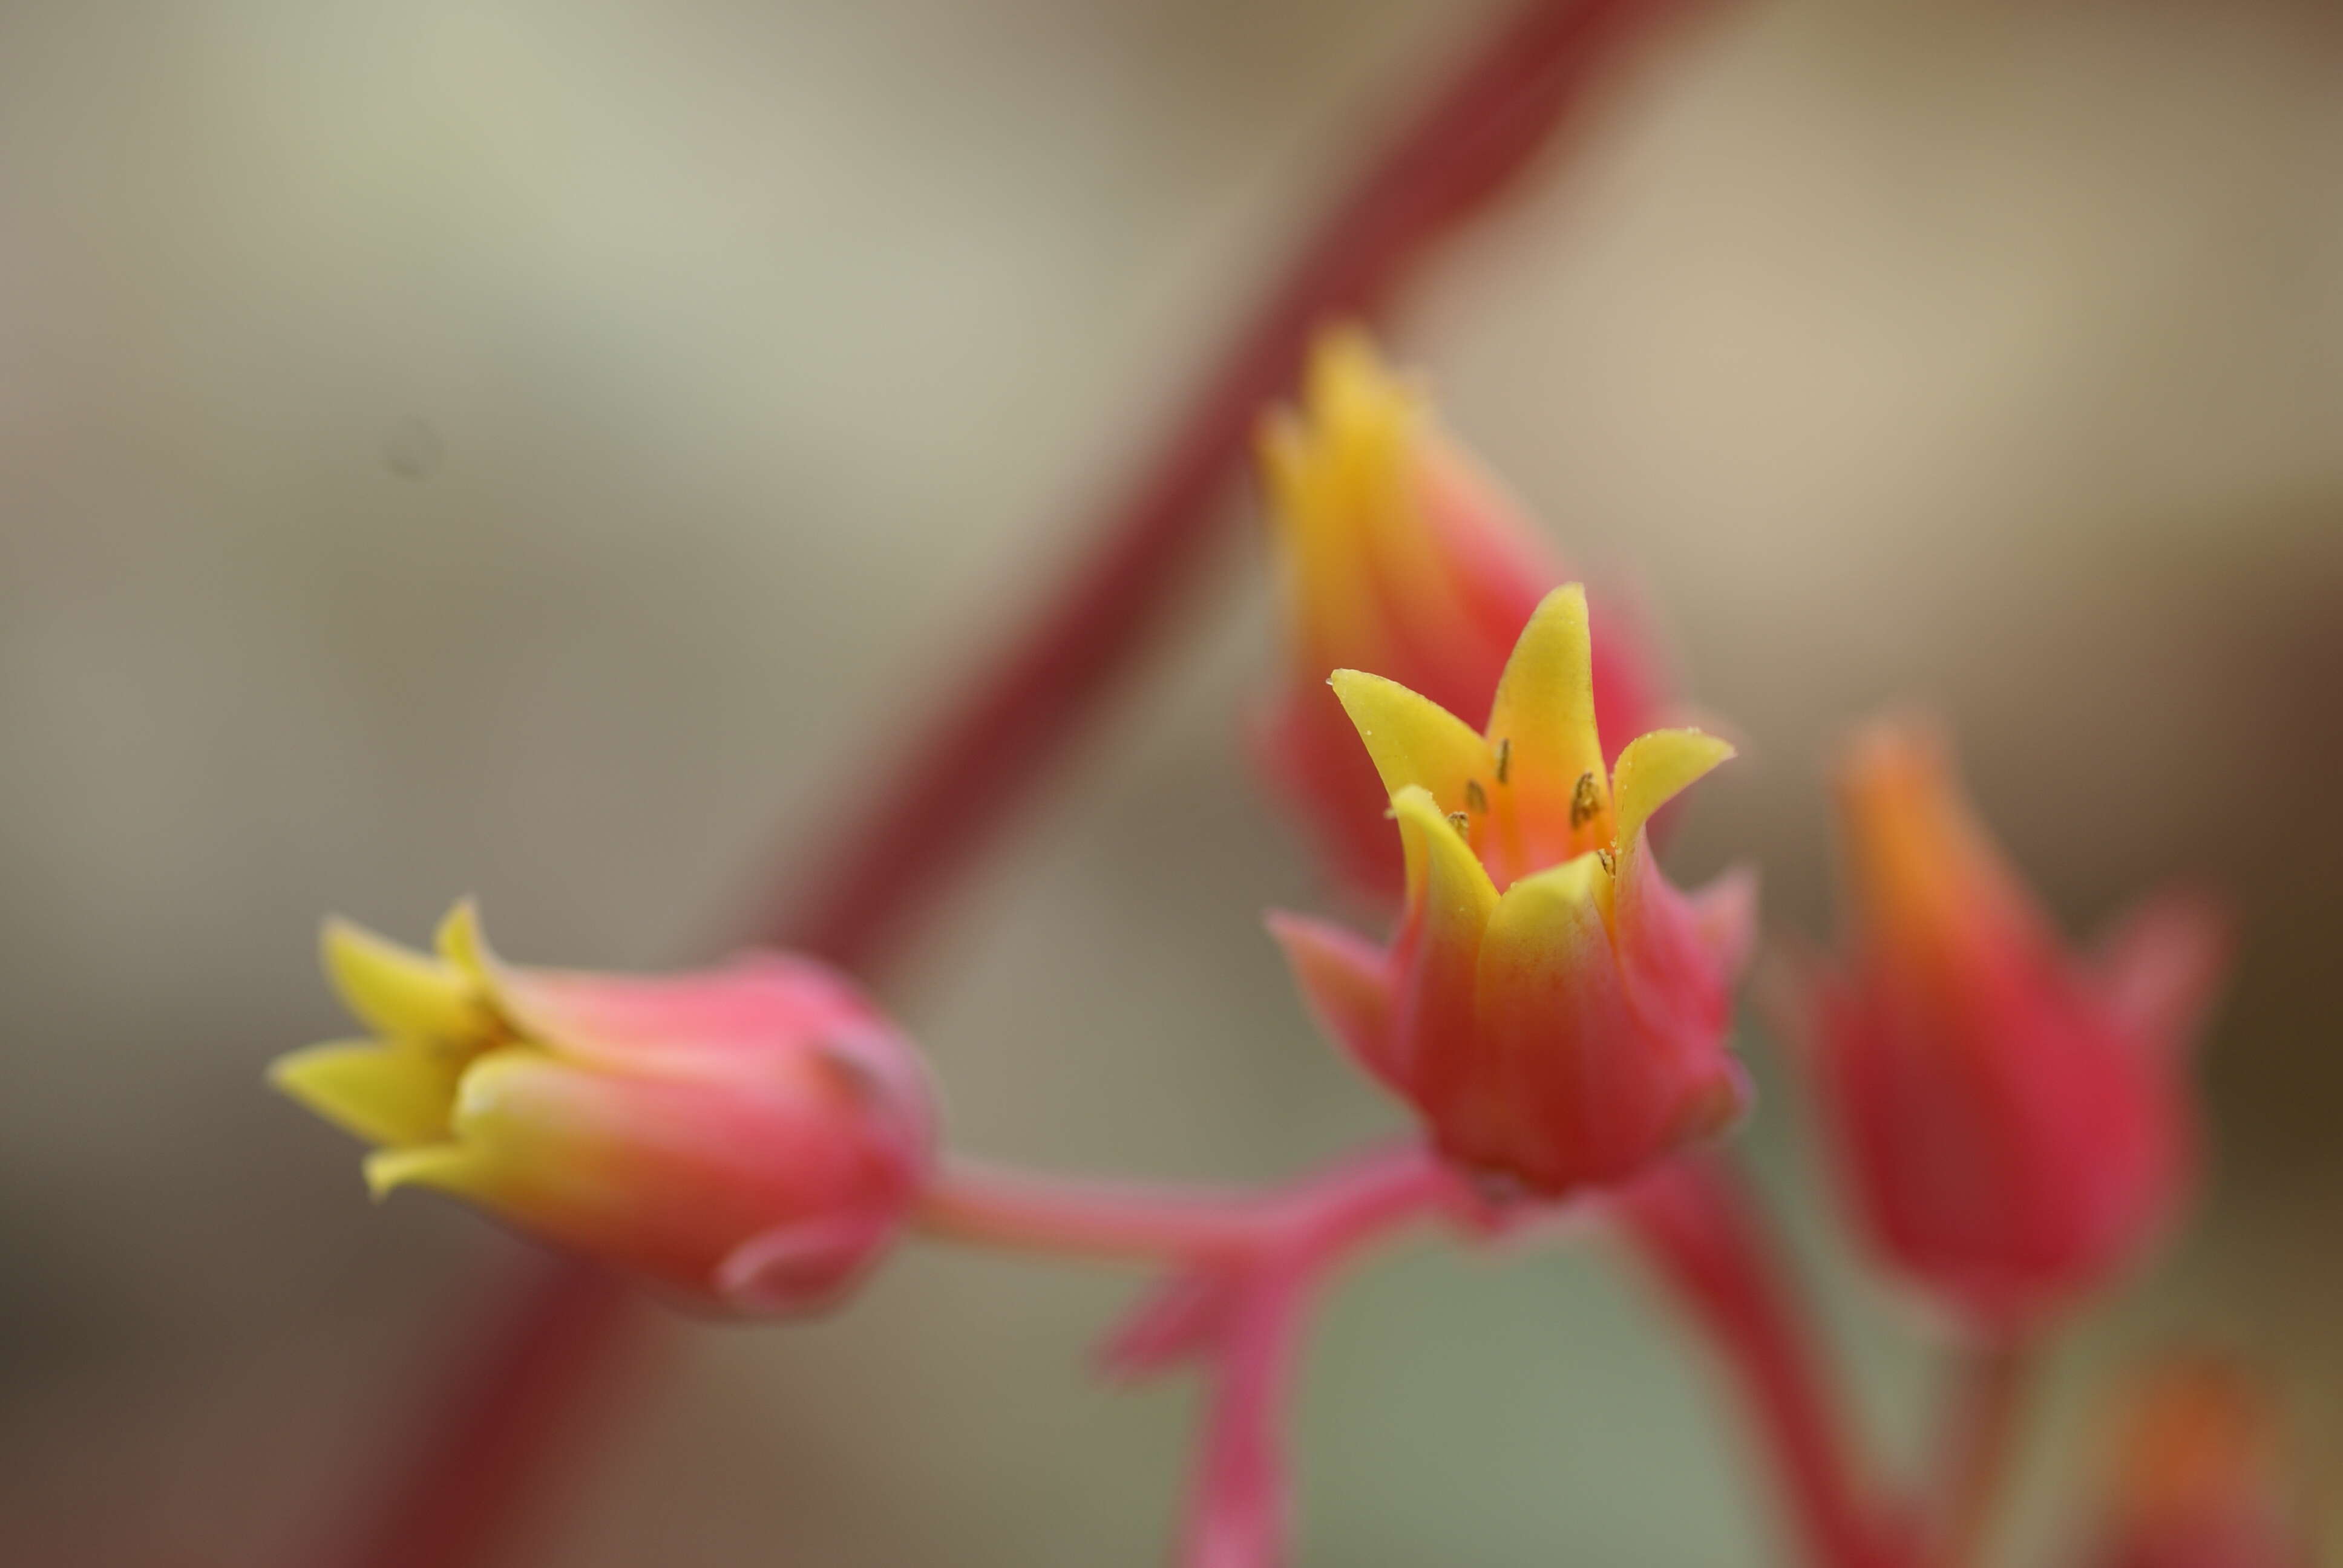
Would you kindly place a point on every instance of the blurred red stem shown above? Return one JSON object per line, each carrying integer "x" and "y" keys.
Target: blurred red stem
{"x": 1980, "y": 1442}
{"x": 1702, "y": 1238}
{"x": 455, "y": 1500}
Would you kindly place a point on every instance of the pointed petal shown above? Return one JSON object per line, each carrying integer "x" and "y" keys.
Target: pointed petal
{"x": 461, "y": 942}
{"x": 1336, "y": 474}
{"x": 398, "y": 991}
{"x": 1726, "y": 914}
{"x": 1544, "y": 719}
{"x": 1345, "y": 980}
{"x": 2162, "y": 966}
{"x": 1932, "y": 888}
{"x": 1448, "y": 889}
{"x": 1551, "y": 1020}
{"x": 386, "y": 1096}
{"x": 1654, "y": 770}
{"x": 1544, "y": 932}
{"x": 1437, "y": 951}
{"x": 1412, "y": 740}
{"x": 448, "y": 1167}
{"x": 767, "y": 1004}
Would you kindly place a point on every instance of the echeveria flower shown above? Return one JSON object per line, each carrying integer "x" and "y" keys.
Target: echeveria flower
{"x": 748, "y": 1136}
{"x": 1553, "y": 1007}
{"x": 1398, "y": 555}
{"x": 2013, "y": 1120}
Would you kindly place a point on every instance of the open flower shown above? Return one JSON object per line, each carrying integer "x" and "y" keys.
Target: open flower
{"x": 2013, "y": 1120}
{"x": 1398, "y": 555}
{"x": 1551, "y": 1006}
{"x": 748, "y": 1136}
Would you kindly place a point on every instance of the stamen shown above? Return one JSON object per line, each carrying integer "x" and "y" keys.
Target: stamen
{"x": 1505, "y": 756}
{"x": 1463, "y": 824}
{"x": 1475, "y": 798}
{"x": 1585, "y": 800}
{"x": 1608, "y": 861}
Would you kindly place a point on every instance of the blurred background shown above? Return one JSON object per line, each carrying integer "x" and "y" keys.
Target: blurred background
{"x": 557, "y": 451}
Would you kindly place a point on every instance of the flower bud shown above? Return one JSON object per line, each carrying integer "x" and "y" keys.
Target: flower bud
{"x": 748, "y": 1138}
{"x": 2013, "y": 1122}
{"x": 1553, "y": 1007}
{"x": 1399, "y": 556}
{"x": 2201, "y": 1479}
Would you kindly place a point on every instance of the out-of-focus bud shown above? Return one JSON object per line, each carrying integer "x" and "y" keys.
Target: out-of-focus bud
{"x": 2201, "y": 1478}
{"x": 1551, "y": 1006}
{"x": 748, "y": 1136}
{"x": 2013, "y": 1122}
{"x": 1399, "y": 556}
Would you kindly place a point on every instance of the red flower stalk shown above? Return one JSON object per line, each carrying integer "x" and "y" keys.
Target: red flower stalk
{"x": 1397, "y": 553}
{"x": 1555, "y": 1009}
{"x": 2013, "y": 1121}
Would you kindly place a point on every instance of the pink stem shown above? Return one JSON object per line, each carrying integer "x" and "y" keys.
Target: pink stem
{"x": 1241, "y": 1513}
{"x": 999, "y": 740}
{"x": 1706, "y": 1242}
{"x": 1245, "y": 1268}
{"x": 1316, "y": 1217}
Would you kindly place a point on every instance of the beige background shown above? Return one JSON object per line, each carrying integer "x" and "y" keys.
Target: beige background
{"x": 557, "y": 451}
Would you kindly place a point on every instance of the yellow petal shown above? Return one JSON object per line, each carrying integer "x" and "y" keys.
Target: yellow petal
{"x": 461, "y": 943}
{"x": 1445, "y": 880}
{"x": 1548, "y": 1004}
{"x": 398, "y": 991}
{"x": 1654, "y": 770}
{"x": 449, "y": 1167}
{"x": 1544, "y": 715}
{"x": 1549, "y": 977}
{"x": 1414, "y": 741}
{"x": 1341, "y": 501}
{"x": 382, "y": 1095}
{"x": 1550, "y": 923}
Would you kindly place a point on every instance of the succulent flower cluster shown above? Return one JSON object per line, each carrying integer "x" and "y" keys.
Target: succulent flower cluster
{"x": 2011, "y": 1123}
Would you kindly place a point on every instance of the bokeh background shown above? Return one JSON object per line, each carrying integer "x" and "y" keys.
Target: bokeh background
{"x": 557, "y": 451}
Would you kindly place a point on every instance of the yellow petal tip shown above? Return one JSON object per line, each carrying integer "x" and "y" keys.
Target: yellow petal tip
{"x": 395, "y": 991}
{"x": 1413, "y": 741}
{"x": 460, "y": 942}
{"x": 384, "y": 1094}
{"x": 441, "y": 1165}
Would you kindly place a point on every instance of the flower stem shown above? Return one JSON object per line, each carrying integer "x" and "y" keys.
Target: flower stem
{"x": 1245, "y": 1268}
{"x": 1979, "y": 1444}
{"x": 990, "y": 749}
{"x": 1322, "y": 1214}
{"x": 1240, "y": 1512}
{"x": 1705, "y": 1240}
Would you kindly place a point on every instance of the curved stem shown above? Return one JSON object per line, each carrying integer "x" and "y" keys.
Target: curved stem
{"x": 1706, "y": 1242}
{"x": 1320, "y": 1214}
{"x": 1980, "y": 1443}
